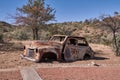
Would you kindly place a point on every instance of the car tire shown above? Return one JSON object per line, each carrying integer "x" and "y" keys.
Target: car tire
{"x": 86, "y": 57}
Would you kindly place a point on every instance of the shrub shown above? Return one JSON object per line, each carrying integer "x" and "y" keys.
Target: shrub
{"x": 1, "y": 37}
{"x": 106, "y": 41}
{"x": 20, "y": 35}
{"x": 118, "y": 44}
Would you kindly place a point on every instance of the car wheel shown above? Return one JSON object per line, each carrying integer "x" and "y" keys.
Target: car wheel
{"x": 37, "y": 61}
{"x": 87, "y": 57}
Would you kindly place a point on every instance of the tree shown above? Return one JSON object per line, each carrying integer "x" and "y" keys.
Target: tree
{"x": 114, "y": 25}
{"x": 34, "y": 15}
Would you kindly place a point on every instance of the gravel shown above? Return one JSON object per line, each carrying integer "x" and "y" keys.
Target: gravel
{"x": 80, "y": 73}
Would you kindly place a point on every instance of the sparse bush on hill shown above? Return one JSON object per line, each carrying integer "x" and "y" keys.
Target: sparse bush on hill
{"x": 44, "y": 35}
{"x": 118, "y": 43}
{"x": 113, "y": 23}
{"x": 106, "y": 41}
{"x": 21, "y": 35}
{"x": 1, "y": 37}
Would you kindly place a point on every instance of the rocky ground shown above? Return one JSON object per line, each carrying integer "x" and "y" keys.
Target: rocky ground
{"x": 10, "y": 57}
{"x": 80, "y": 73}
{"x": 106, "y": 68}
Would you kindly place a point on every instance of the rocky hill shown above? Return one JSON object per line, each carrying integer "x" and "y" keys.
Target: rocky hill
{"x": 6, "y": 27}
{"x": 88, "y": 28}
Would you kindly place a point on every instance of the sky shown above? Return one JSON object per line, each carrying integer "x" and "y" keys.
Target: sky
{"x": 66, "y": 10}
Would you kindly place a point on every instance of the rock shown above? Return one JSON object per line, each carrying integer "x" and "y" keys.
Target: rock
{"x": 94, "y": 64}
{"x": 2, "y": 52}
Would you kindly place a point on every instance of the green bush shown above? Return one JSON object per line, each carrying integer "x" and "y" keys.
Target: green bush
{"x": 106, "y": 41}
{"x": 20, "y": 35}
{"x": 1, "y": 37}
{"x": 118, "y": 43}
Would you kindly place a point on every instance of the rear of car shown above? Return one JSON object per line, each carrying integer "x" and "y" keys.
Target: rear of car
{"x": 77, "y": 48}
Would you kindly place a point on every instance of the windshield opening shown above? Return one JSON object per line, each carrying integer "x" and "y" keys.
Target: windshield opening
{"x": 57, "y": 38}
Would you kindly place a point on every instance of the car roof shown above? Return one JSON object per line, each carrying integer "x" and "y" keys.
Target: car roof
{"x": 71, "y": 36}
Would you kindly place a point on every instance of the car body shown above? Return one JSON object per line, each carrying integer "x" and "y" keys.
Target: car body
{"x": 59, "y": 47}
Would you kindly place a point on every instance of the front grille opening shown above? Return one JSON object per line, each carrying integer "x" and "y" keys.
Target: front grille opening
{"x": 36, "y": 50}
{"x": 49, "y": 57}
{"x": 30, "y": 53}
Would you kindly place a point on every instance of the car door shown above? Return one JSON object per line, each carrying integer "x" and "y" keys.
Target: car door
{"x": 82, "y": 47}
{"x": 71, "y": 50}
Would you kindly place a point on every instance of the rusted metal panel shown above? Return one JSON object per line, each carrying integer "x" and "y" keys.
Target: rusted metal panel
{"x": 73, "y": 48}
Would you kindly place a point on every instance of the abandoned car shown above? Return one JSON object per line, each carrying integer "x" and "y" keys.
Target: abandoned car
{"x": 59, "y": 47}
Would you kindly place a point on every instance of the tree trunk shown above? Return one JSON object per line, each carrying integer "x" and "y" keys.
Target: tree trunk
{"x": 35, "y": 34}
{"x": 115, "y": 44}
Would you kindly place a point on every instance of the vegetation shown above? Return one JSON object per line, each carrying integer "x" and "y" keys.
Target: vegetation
{"x": 113, "y": 23}
{"x": 118, "y": 43}
{"x": 32, "y": 20}
{"x": 34, "y": 15}
{"x": 20, "y": 35}
{"x": 1, "y": 38}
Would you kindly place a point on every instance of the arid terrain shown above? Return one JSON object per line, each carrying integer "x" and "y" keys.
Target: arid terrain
{"x": 105, "y": 65}
{"x": 10, "y": 57}
{"x": 22, "y": 23}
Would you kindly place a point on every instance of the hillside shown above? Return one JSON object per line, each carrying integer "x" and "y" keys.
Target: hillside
{"x": 5, "y": 27}
{"x": 89, "y": 30}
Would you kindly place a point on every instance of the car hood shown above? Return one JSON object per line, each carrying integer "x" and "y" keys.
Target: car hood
{"x": 47, "y": 44}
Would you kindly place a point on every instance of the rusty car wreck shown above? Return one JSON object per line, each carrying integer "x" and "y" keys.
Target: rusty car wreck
{"x": 59, "y": 47}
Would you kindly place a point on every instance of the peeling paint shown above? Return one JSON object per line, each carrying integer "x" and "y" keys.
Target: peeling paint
{"x": 71, "y": 47}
